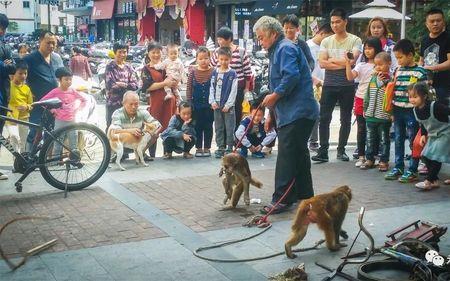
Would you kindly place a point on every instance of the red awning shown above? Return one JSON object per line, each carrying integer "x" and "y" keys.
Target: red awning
{"x": 103, "y": 9}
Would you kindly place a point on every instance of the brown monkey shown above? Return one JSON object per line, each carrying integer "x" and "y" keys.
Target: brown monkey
{"x": 328, "y": 210}
{"x": 237, "y": 178}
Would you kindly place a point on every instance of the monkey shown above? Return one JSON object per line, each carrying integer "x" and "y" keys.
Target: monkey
{"x": 328, "y": 210}
{"x": 237, "y": 179}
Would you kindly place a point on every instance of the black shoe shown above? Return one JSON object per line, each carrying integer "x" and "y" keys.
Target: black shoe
{"x": 148, "y": 158}
{"x": 356, "y": 154}
{"x": 320, "y": 157}
{"x": 342, "y": 156}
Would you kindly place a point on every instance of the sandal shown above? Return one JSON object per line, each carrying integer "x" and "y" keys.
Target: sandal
{"x": 187, "y": 155}
{"x": 280, "y": 208}
{"x": 383, "y": 167}
{"x": 447, "y": 182}
{"x": 427, "y": 185}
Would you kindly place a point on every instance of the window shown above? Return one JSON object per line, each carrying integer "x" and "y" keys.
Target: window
{"x": 26, "y": 4}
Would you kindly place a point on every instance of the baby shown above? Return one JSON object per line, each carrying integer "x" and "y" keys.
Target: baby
{"x": 174, "y": 70}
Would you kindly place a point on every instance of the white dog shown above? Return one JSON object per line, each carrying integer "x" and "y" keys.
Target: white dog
{"x": 119, "y": 141}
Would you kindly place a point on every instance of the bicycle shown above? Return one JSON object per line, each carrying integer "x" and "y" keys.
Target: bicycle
{"x": 70, "y": 158}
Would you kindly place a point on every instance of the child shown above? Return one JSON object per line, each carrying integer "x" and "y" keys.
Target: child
{"x": 197, "y": 93}
{"x": 408, "y": 73}
{"x": 222, "y": 98}
{"x": 174, "y": 70}
{"x": 180, "y": 133}
{"x": 434, "y": 121}
{"x": 363, "y": 71}
{"x": 20, "y": 101}
{"x": 256, "y": 137}
{"x": 72, "y": 102}
{"x": 378, "y": 122}
{"x": 23, "y": 50}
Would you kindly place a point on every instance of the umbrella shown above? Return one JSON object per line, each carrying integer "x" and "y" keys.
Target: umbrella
{"x": 379, "y": 8}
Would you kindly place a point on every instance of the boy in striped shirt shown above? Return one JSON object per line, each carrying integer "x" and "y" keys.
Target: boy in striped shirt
{"x": 408, "y": 73}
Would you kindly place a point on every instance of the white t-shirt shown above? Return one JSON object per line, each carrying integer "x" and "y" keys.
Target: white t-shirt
{"x": 317, "y": 72}
{"x": 365, "y": 71}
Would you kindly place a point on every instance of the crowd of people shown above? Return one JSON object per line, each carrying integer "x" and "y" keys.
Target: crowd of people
{"x": 375, "y": 79}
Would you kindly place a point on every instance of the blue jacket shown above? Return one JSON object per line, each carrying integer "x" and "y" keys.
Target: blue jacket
{"x": 290, "y": 77}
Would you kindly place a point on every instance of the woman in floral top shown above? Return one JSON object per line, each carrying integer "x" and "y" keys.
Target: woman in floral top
{"x": 120, "y": 77}
{"x": 153, "y": 82}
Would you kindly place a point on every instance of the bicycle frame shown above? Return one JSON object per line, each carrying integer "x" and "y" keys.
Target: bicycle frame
{"x": 31, "y": 166}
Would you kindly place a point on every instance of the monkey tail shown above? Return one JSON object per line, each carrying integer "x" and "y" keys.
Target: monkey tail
{"x": 256, "y": 183}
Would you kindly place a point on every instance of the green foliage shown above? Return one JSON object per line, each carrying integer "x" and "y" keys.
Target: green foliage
{"x": 13, "y": 26}
{"x": 415, "y": 28}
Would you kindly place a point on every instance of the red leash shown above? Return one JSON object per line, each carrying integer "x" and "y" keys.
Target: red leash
{"x": 246, "y": 129}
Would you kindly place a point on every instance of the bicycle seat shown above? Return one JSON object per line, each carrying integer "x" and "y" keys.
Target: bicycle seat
{"x": 49, "y": 104}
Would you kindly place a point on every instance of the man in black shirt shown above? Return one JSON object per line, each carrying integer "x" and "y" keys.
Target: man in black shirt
{"x": 435, "y": 53}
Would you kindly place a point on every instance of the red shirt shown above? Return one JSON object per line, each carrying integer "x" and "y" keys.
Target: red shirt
{"x": 80, "y": 66}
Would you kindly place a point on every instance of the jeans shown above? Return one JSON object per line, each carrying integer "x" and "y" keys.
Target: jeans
{"x": 35, "y": 117}
{"x": 204, "y": 118}
{"x": 405, "y": 125}
{"x": 224, "y": 124}
{"x": 71, "y": 137}
{"x": 433, "y": 168}
{"x": 361, "y": 135}
{"x": 293, "y": 162}
{"x": 443, "y": 94}
{"x": 170, "y": 146}
{"x": 331, "y": 95}
{"x": 378, "y": 131}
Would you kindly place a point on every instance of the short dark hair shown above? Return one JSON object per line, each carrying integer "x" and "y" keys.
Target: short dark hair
{"x": 63, "y": 72}
{"x": 184, "y": 104}
{"x": 292, "y": 19}
{"x": 154, "y": 45}
{"x": 4, "y": 21}
{"x": 421, "y": 89}
{"x": 434, "y": 11}
{"x": 119, "y": 46}
{"x": 23, "y": 45}
{"x": 76, "y": 50}
{"x": 224, "y": 51}
{"x": 172, "y": 46}
{"x": 405, "y": 46}
{"x": 225, "y": 33}
{"x": 373, "y": 42}
{"x": 326, "y": 27}
{"x": 338, "y": 12}
{"x": 256, "y": 105}
{"x": 45, "y": 33}
{"x": 18, "y": 64}
{"x": 202, "y": 49}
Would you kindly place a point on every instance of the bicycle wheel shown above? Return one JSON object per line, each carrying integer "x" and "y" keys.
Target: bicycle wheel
{"x": 86, "y": 160}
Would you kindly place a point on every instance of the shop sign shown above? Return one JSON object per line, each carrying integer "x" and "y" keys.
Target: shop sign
{"x": 242, "y": 11}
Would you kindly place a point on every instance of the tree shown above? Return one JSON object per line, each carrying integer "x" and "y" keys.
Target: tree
{"x": 415, "y": 28}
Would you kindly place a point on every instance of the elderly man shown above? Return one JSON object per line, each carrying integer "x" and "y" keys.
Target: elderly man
{"x": 295, "y": 110}
{"x": 129, "y": 118}
{"x": 42, "y": 65}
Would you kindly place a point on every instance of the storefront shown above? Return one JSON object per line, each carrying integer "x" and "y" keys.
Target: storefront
{"x": 102, "y": 14}
{"x": 125, "y": 22}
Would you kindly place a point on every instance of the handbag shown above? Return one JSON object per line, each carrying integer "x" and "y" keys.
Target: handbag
{"x": 389, "y": 94}
{"x": 417, "y": 148}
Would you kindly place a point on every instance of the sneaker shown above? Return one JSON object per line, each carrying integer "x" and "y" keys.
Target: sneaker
{"x": 266, "y": 150}
{"x": 243, "y": 151}
{"x": 167, "y": 155}
{"x": 427, "y": 185}
{"x": 393, "y": 174}
{"x": 3, "y": 176}
{"x": 187, "y": 155}
{"x": 258, "y": 154}
{"x": 383, "y": 167}
{"x": 342, "y": 156}
{"x": 408, "y": 176}
{"x": 206, "y": 152}
{"x": 219, "y": 153}
{"x": 369, "y": 164}
{"x": 199, "y": 153}
{"x": 360, "y": 161}
{"x": 320, "y": 157}
{"x": 314, "y": 146}
{"x": 148, "y": 158}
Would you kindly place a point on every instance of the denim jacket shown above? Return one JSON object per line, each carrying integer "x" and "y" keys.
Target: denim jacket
{"x": 290, "y": 77}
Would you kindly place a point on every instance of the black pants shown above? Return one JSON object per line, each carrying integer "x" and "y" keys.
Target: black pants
{"x": 170, "y": 146}
{"x": 331, "y": 95}
{"x": 109, "y": 112}
{"x": 293, "y": 162}
{"x": 361, "y": 135}
{"x": 238, "y": 105}
{"x": 204, "y": 118}
{"x": 434, "y": 167}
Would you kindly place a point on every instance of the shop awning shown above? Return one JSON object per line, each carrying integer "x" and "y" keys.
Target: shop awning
{"x": 79, "y": 11}
{"x": 103, "y": 9}
{"x": 225, "y": 2}
{"x": 274, "y": 7}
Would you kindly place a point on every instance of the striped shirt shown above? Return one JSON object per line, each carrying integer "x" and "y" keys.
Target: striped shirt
{"x": 373, "y": 101}
{"x": 407, "y": 75}
{"x": 201, "y": 76}
{"x": 240, "y": 65}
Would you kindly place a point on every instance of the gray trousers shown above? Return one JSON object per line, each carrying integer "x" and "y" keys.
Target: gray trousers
{"x": 71, "y": 137}
{"x": 224, "y": 125}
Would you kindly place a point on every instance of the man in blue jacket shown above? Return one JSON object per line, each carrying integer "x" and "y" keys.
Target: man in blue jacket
{"x": 295, "y": 110}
